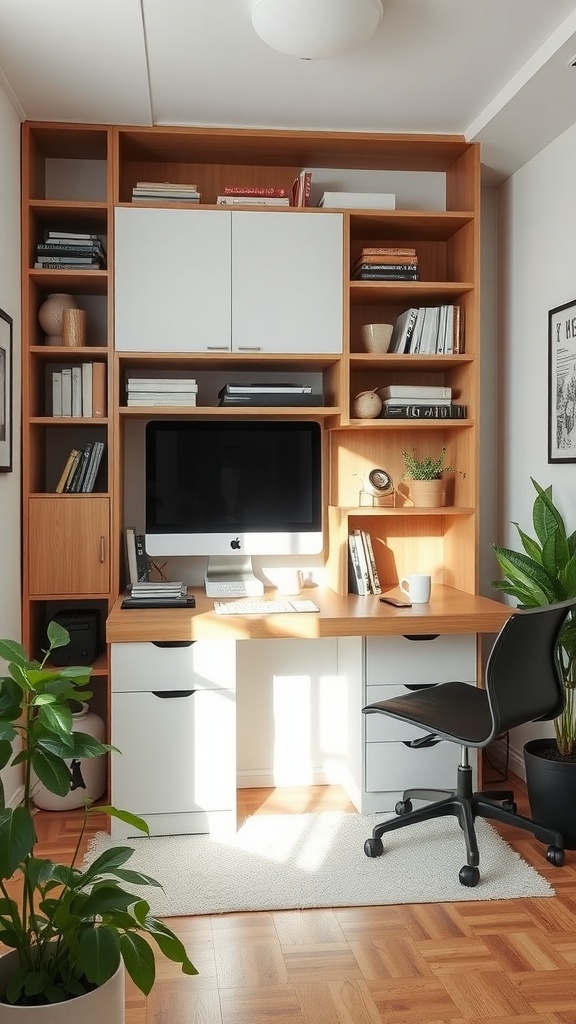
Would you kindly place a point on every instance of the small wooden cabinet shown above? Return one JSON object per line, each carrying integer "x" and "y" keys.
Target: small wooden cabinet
{"x": 68, "y": 544}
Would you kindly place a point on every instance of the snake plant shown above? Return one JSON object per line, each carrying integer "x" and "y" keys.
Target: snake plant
{"x": 543, "y": 573}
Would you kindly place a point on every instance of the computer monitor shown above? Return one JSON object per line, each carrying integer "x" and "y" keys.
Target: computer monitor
{"x": 230, "y": 489}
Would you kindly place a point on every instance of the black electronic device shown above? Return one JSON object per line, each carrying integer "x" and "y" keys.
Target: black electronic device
{"x": 396, "y": 602}
{"x": 83, "y": 626}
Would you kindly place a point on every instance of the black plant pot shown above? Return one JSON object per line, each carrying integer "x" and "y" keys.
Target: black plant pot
{"x": 551, "y": 789}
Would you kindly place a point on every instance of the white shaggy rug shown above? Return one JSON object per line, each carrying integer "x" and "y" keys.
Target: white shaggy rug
{"x": 292, "y": 861}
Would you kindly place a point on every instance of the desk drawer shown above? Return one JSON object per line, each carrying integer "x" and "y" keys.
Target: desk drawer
{"x": 200, "y": 665}
{"x": 396, "y": 659}
{"x": 393, "y": 766}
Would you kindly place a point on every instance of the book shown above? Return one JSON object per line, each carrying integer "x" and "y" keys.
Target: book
{"x": 60, "y": 486}
{"x": 360, "y": 200}
{"x": 159, "y": 602}
{"x": 93, "y": 467}
{"x": 301, "y": 188}
{"x": 67, "y": 391}
{"x": 99, "y": 389}
{"x": 56, "y": 392}
{"x": 361, "y": 552}
{"x": 80, "y": 474}
{"x": 403, "y": 329}
{"x": 415, "y": 391}
{"x": 371, "y": 560}
{"x": 167, "y": 186}
{"x": 71, "y": 235}
{"x": 56, "y": 261}
{"x": 161, "y": 193}
{"x": 389, "y": 250}
{"x": 73, "y": 468}
{"x": 265, "y": 389}
{"x": 142, "y": 563}
{"x": 137, "y": 384}
{"x": 394, "y": 262}
{"x": 130, "y": 547}
{"x": 386, "y": 275}
{"x": 153, "y": 589}
{"x": 183, "y": 400}
{"x": 356, "y": 581}
{"x": 251, "y": 201}
{"x": 255, "y": 190}
{"x": 269, "y": 398}
{"x": 76, "y": 391}
{"x": 424, "y": 411}
{"x": 86, "y": 389}
{"x": 68, "y": 249}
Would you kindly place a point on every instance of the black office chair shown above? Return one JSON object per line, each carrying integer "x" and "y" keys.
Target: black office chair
{"x": 523, "y": 683}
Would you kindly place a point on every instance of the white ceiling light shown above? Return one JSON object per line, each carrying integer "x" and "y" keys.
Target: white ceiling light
{"x": 315, "y": 28}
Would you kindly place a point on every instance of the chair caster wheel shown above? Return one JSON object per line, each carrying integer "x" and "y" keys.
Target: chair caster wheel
{"x": 403, "y": 807}
{"x": 509, "y": 805}
{"x": 373, "y": 848}
{"x": 469, "y": 876}
{"x": 555, "y": 856}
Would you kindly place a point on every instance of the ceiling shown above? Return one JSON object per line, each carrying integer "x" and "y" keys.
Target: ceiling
{"x": 496, "y": 71}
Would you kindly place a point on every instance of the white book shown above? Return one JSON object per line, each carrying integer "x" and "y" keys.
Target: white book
{"x": 130, "y": 538}
{"x": 413, "y": 400}
{"x": 87, "y": 389}
{"x": 76, "y": 390}
{"x": 56, "y": 392}
{"x": 67, "y": 391}
{"x": 268, "y": 389}
{"x": 179, "y": 400}
{"x": 357, "y": 580}
{"x": 361, "y": 552}
{"x": 415, "y": 391}
{"x": 252, "y": 201}
{"x": 158, "y": 384}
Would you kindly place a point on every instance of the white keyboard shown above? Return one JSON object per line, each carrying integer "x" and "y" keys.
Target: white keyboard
{"x": 247, "y": 606}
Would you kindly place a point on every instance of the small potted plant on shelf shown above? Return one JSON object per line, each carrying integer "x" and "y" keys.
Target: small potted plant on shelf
{"x": 72, "y": 930}
{"x": 427, "y": 486}
{"x": 544, "y": 573}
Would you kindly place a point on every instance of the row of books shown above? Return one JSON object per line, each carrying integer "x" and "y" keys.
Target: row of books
{"x": 428, "y": 330}
{"x": 363, "y": 574}
{"x": 274, "y": 394}
{"x": 81, "y": 468}
{"x": 419, "y": 401}
{"x": 143, "y": 391}
{"x": 165, "y": 192}
{"x": 79, "y": 390}
{"x": 385, "y": 263}
{"x": 70, "y": 250}
{"x": 250, "y": 200}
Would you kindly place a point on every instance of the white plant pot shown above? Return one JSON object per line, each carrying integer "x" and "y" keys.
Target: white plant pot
{"x": 105, "y": 1005}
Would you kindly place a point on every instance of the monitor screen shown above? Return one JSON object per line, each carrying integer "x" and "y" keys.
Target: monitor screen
{"x": 233, "y": 487}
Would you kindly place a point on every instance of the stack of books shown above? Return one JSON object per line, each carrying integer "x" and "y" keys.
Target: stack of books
{"x": 428, "y": 330}
{"x": 386, "y": 263}
{"x": 269, "y": 394}
{"x": 164, "y": 192}
{"x": 79, "y": 473}
{"x": 363, "y": 574}
{"x": 79, "y": 390}
{"x": 70, "y": 250}
{"x": 253, "y": 195}
{"x": 424, "y": 401}
{"x": 142, "y": 391}
{"x": 157, "y": 595}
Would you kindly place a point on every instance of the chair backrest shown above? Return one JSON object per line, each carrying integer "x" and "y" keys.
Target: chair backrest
{"x": 523, "y": 676}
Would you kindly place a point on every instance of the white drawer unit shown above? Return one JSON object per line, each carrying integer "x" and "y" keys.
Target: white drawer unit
{"x": 399, "y": 659}
{"x": 174, "y": 723}
{"x": 393, "y": 767}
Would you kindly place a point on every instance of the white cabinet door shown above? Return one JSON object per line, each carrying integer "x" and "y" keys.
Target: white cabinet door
{"x": 172, "y": 280}
{"x": 287, "y": 283}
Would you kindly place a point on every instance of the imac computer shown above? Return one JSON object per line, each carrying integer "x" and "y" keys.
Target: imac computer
{"x": 231, "y": 489}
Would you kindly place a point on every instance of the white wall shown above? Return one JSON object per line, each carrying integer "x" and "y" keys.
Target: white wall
{"x": 10, "y": 303}
{"x": 537, "y": 264}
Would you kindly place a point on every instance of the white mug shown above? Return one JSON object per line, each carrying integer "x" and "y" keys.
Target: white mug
{"x": 291, "y": 582}
{"x": 417, "y": 588}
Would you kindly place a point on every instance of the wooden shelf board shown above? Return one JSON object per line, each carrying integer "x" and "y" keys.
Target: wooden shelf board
{"x": 406, "y": 424}
{"x": 81, "y": 282}
{"x": 68, "y": 421}
{"x": 226, "y": 360}
{"x": 403, "y": 510}
{"x": 412, "y": 292}
{"x": 56, "y": 353}
{"x": 394, "y": 361}
{"x": 167, "y": 411}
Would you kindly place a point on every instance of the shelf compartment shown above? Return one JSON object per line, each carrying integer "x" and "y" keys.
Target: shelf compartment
{"x": 409, "y": 293}
{"x": 77, "y": 282}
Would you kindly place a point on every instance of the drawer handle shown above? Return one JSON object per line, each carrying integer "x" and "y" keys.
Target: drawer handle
{"x": 430, "y": 740}
{"x": 419, "y": 686}
{"x": 424, "y": 636}
{"x": 173, "y": 643}
{"x": 173, "y": 694}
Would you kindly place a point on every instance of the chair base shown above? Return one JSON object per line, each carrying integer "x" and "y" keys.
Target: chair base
{"x": 466, "y": 805}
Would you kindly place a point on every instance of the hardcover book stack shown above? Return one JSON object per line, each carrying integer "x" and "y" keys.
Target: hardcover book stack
{"x": 142, "y": 391}
{"x": 363, "y": 574}
{"x": 269, "y": 394}
{"x": 70, "y": 250}
{"x": 253, "y": 195}
{"x": 79, "y": 390}
{"x": 81, "y": 468}
{"x": 428, "y": 330}
{"x": 424, "y": 401}
{"x": 385, "y": 263}
{"x": 157, "y": 595}
{"x": 164, "y": 192}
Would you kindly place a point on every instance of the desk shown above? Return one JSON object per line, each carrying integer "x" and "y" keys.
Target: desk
{"x": 178, "y": 763}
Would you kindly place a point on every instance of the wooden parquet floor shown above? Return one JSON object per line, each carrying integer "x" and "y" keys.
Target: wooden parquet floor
{"x": 506, "y": 961}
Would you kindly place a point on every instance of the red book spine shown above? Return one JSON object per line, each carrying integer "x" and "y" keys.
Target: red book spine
{"x": 255, "y": 190}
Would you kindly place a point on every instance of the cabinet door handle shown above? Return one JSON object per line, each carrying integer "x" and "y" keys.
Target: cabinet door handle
{"x": 102, "y": 549}
{"x": 248, "y": 348}
{"x": 173, "y": 694}
{"x": 217, "y": 348}
{"x": 172, "y": 643}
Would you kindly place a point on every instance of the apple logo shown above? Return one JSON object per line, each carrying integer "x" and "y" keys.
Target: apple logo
{"x": 235, "y": 544}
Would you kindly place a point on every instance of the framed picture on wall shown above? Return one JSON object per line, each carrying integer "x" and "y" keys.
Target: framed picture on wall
{"x": 5, "y": 392}
{"x": 562, "y": 383}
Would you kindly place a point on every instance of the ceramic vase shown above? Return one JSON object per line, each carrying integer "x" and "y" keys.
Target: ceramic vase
{"x": 50, "y": 315}
{"x": 87, "y": 776}
{"x": 105, "y": 1005}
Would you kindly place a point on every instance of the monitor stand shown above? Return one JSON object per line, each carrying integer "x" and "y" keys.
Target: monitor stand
{"x": 231, "y": 576}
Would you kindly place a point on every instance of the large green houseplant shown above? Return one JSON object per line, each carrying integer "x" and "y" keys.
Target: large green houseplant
{"x": 73, "y": 926}
{"x": 543, "y": 573}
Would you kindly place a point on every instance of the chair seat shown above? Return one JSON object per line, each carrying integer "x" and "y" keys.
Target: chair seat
{"x": 455, "y": 710}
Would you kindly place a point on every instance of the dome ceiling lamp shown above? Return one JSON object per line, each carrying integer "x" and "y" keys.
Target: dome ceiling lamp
{"x": 315, "y": 28}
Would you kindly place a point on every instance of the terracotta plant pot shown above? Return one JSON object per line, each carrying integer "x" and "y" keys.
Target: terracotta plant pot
{"x": 427, "y": 493}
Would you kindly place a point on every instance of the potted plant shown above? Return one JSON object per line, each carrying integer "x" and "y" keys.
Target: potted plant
{"x": 427, "y": 487}
{"x": 72, "y": 927}
{"x": 544, "y": 573}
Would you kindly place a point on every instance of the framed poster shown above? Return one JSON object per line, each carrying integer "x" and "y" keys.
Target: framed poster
{"x": 562, "y": 383}
{"x": 5, "y": 392}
